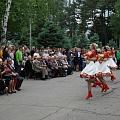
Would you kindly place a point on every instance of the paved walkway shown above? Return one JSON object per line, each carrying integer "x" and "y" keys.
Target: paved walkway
{"x": 62, "y": 99}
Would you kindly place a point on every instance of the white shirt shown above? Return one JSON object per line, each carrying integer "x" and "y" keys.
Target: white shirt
{"x": 79, "y": 53}
{"x": 45, "y": 55}
{"x": 36, "y": 54}
{"x": 11, "y": 55}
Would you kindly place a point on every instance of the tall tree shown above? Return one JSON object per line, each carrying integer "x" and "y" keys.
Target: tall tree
{"x": 83, "y": 41}
{"x": 51, "y": 36}
{"x": 4, "y": 22}
{"x": 115, "y": 21}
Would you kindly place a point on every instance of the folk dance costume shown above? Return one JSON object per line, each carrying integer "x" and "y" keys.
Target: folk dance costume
{"x": 111, "y": 64}
{"x": 103, "y": 68}
{"x": 110, "y": 61}
{"x": 90, "y": 72}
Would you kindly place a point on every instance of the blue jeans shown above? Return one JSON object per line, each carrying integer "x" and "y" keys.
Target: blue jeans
{"x": 69, "y": 62}
{"x": 83, "y": 64}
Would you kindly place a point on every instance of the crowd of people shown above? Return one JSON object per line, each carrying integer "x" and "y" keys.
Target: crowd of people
{"x": 18, "y": 62}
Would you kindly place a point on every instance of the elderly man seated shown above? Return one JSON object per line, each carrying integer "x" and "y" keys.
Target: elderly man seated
{"x": 66, "y": 65}
{"x": 39, "y": 68}
{"x": 54, "y": 67}
{"x": 61, "y": 68}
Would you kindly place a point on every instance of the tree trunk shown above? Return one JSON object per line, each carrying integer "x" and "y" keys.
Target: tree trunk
{"x": 4, "y": 23}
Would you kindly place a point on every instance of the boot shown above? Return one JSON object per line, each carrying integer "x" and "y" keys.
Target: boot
{"x": 106, "y": 88}
{"x": 94, "y": 85}
{"x": 89, "y": 95}
{"x": 113, "y": 78}
{"x": 98, "y": 83}
{"x": 103, "y": 87}
{"x": 111, "y": 74}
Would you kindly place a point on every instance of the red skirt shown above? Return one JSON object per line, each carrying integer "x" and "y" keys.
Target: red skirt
{"x": 15, "y": 80}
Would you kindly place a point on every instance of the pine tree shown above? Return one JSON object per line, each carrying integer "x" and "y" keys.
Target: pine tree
{"x": 51, "y": 36}
{"x": 95, "y": 39}
{"x": 83, "y": 42}
{"x": 112, "y": 43}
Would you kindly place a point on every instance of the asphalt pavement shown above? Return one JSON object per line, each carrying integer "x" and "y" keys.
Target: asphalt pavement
{"x": 62, "y": 98}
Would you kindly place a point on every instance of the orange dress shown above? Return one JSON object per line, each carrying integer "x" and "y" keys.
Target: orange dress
{"x": 90, "y": 71}
{"x": 102, "y": 67}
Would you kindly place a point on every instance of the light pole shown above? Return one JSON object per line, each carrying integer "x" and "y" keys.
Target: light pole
{"x": 30, "y": 26}
{"x": 30, "y": 33}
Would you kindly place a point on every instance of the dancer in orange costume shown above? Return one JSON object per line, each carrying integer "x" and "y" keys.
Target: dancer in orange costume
{"x": 103, "y": 68}
{"x": 110, "y": 62}
{"x": 90, "y": 71}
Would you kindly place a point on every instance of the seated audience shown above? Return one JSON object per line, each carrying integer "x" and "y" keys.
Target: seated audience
{"x": 54, "y": 67}
{"x": 39, "y": 68}
{"x": 5, "y": 74}
{"x": 15, "y": 74}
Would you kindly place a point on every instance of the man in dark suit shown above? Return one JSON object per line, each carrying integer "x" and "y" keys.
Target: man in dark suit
{"x": 16, "y": 75}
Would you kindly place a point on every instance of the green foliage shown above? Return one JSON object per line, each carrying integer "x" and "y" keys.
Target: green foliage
{"x": 95, "y": 39}
{"x": 51, "y": 36}
{"x": 112, "y": 43}
{"x": 67, "y": 19}
{"x": 15, "y": 42}
{"x": 65, "y": 16}
{"x": 115, "y": 21}
{"x": 67, "y": 43}
{"x": 74, "y": 41}
{"x": 83, "y": 42}
{"x": 2, "y": 8}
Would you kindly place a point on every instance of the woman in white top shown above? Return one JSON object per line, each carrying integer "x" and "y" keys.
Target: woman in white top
{"x": 36, "y": 53}
{"x": 45, "y": 54}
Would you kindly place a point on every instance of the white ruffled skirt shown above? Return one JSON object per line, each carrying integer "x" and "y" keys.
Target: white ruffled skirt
{"x": 111, "y": 64}
{"x": 103, "y": 68}
{"x": 90, "y": 71}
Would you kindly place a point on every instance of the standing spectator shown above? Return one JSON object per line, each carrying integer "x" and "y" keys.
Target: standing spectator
{"x": 45, "y": 54}
{"x": 5, "y": 53}
{"x": 63, "y": 51}
{"x": 56, "y": 52}
{"x": 68, "y": 54}
{"x": 118, "y": 58}
{"x": 24, "y": 47}
{"x": 51, "y": 52}
{"x": 29, "y": 66}
{"x": 36, "y": 53}
{"x": 33, "y": 50}
{"x": 15, "y": 62}
{"x": 59, "y": 52}
{"x": 42, "y": 52}
{"x": 79, "y": 58}
{"x": 10, "y": 49}
{"x": 26, "y": 53}
{"x": 76, "y": 62}
{"x": 19, "y": 60}
{"x": 12, "y": 54}
{"x": 82, "y": 58}
{"x": 48, "y": 48}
